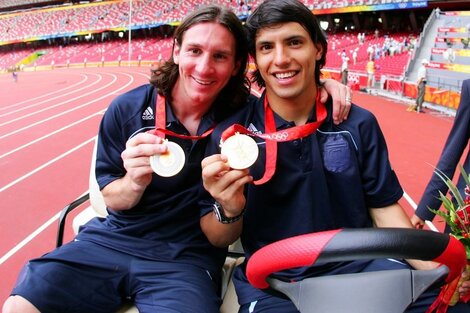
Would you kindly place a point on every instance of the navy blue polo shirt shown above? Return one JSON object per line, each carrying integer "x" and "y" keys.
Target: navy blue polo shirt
{"x": 164, "y": 225}
{"x": 324, "y": 181}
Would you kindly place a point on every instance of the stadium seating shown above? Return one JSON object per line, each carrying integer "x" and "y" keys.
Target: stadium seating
{"x": 110, "y": 51}
{"x": 450, "y": 52}
{"x": 393, "y": 54}
{"x": 18, "y": 3}
{"x": 103, "y": 20}
{"x": 9, "y": 59}
{"x": 96, "y": 17}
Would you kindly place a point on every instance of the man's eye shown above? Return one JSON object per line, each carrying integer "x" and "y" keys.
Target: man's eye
{"x": 220, "y": 57}
{"x": 295, "y": 42}
{"x": 264, "y": 47}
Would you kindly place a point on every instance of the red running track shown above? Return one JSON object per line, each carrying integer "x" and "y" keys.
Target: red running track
{"x": 49, "y": 119}
{"x": 47, "y": 124}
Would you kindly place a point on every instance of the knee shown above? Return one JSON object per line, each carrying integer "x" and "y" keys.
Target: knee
{"x": 16, "y": 304}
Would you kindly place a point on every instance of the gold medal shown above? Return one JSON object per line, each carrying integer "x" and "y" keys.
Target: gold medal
{"x": 169, "y": 163}
{"x": 241, "y": 151}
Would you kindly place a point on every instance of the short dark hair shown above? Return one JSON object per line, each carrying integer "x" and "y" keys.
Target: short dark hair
{"x": 272, "y": 12}
{"x": 235, "y": 94}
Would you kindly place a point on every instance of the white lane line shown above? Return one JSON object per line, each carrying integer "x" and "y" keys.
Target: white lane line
{"x": 23, "y": 116}
{"x": 25, "y": 241}
{"x": 45, "y": 165}
{"x": 51, "y": 220}
{"x": 74, "y": 108}
{"x": 85, "y": 78}
{"x": 414, "y": 206}
{"x": 28, "y": 107}
{"x": 50, "y": 134}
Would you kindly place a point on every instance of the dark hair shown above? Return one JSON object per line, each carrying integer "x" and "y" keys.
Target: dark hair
{"x": 272, "y": 12}
{"x": 235, "y": 94}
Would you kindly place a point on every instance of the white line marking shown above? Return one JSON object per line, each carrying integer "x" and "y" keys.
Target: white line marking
{"x": 16, "y": 248}
{"x": 45, "y": 165}
{"x": 71, "y": 110}
{"x": 25, "y": 241}
{"x": 46, "y": 94}
{"x": 34, "y": 234}
{"x": 50, "y": 134}
{"x": 60, "y": 103}
{"x": 23, "y": 108}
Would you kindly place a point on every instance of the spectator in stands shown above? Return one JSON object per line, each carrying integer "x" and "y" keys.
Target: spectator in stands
{"x": 421, "y": 88}
{"x": 370, "y": 69}
{"x": 445, "y": 55}
{"x": 465, "y": 42}
{"x": 452, "y": 152}
{"x": 370, "y": 51}
{"x": 449, "y": 42}
{"x": 344, "y": 70}
{"x": 150, "y": 248}
{"x": 336, "y": 177}
{"x": 451, "y": 55}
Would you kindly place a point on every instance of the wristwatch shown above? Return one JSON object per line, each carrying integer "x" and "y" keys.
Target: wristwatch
{"x": 219, "y": 213}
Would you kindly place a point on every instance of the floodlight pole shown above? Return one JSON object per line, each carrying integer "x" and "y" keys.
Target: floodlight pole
{"x": 130, "y": 34}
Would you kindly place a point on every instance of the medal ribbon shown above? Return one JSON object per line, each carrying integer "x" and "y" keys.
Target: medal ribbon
{"x": 272, "y": 136}
{"x": 160, "y": 123}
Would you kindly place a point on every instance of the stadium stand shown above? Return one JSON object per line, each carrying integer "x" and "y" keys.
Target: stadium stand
{"x": 443, "y": 42}
{"x": 391, "y": 52}
{"x": 8, "y": 5}
{"x": 59, "y": 33}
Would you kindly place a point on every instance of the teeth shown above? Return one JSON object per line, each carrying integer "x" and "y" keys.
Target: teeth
{"x": 202, "y": 82}
{"x": 284, "y": 75}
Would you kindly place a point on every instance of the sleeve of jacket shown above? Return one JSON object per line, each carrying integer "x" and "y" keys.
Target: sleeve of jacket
{"x": 450, "y": 156}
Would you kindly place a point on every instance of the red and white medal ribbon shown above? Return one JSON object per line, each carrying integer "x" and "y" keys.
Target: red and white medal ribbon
{"x": 271, "y": 136}
{"x": 171, "y": 162}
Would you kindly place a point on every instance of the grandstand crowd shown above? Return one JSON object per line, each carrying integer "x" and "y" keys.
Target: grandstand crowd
{"x": 41, "y": 34}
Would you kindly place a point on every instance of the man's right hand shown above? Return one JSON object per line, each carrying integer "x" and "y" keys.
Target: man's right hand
{"x": 417, "y": 222}
{"x": 125, "y": 193}
{"x": 136, "y": 158}
{"x": 225, "y": 185}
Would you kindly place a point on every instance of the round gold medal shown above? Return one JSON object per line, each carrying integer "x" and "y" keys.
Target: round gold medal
{"x": 241, "y": 151}
{"x": 170, "y": 163}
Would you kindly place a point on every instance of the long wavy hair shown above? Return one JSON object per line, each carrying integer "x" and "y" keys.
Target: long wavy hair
{"x": 234, "y": 95}
{"x": 272, "y": 12}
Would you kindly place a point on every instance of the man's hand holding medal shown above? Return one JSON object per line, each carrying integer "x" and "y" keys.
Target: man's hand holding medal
{"x": 136, "y": 158}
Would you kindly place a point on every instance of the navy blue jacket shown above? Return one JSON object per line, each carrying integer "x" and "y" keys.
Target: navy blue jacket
{"x": 164, "y": 225}
{"x": 450, "y": 157}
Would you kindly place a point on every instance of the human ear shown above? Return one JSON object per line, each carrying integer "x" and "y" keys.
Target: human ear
{"x": 176, "y": 53}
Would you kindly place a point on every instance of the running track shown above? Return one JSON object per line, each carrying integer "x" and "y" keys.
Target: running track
{"x": 47, "y": 124}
